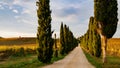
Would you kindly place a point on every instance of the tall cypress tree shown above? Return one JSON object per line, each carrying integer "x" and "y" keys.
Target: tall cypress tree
{"x": 94, "y": 38}
{"x": 62, "y": 42}
{"x": 44, "y": 33}
{"x": 105, "y": 12}
{"x": 91, "y": 39}
{"x": 56, "y": 48}
{"x": 65, "y": 38}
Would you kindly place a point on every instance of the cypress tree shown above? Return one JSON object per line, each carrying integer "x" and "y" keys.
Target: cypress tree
{"x": 56, "y": 49}
{"x": 91, "y": 39}
{"x": 62, "y": 42}
{"x": 105, "y": 12}
{"x": 70, "y": 40}
{"x": 94, "y": 38}
{"x": 65, "y": 38}
{"x": 44, "y": 33}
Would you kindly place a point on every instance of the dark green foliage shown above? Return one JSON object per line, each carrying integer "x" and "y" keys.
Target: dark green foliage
{"x": 67, "y": 38}
{"x": 56, "y": 48}
{"x": 18, "y": 53}
{"x": 105, "y": 12}
{"x": 91, "y": 40}
{"x": 44, "y": 34}
{"x": 62, "y": 42}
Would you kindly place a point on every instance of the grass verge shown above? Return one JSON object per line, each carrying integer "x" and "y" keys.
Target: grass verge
{"x": 113, "y": 61}
{"x": 29, "y": 61}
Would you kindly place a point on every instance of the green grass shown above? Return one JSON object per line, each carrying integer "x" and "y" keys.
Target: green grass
{"x": 29, "y": 61}
{"x": 113, "y": 61}
{"x": 54, "y": 59}
{"x": 93, "y": 60}
{"x": 20, "y": 62}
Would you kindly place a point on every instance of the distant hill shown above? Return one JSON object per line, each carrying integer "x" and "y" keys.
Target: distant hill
{"x": 17, "y": 41}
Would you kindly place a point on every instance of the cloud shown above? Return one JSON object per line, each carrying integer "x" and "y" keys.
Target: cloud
{"x": 15, "y": 11}
{"x": 76, "y": 14}
{"x": 27, "y": 21}
{"x": 1, "y": 7}
{"x": 26, "y": 12}
{"x": 64, "y": 12}
{"x": 16, "y": 17}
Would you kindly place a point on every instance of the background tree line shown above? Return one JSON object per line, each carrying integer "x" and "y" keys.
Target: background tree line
{"x": 90, "y": 41}
{"x": 67, "y": 40}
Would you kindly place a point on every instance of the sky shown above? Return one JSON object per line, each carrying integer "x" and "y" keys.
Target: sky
{"x": 19, "y": 17}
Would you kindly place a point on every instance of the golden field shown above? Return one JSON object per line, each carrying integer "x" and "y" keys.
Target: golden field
{"x": 114, "y": 46}
{"x": 8, "y": 45}
{"x": 17, "y": 47}
{"x": 17, "y": 43}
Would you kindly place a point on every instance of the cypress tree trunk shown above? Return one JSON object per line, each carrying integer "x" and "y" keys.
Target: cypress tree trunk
{"x": 103, "y": 43}
{"x": 104, "y": 47}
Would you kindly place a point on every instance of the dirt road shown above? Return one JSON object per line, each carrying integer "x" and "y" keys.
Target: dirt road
{"x": 76, "y": 59}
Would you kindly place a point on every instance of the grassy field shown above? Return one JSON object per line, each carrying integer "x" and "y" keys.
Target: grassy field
{"x": 113, "y": 55}
{"x": 29, "y": 61}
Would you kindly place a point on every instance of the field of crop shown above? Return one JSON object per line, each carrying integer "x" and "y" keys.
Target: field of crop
{"x": 114, "y": 46}
{"x": 21, "y": 53}
{"x": 17, "y": 47}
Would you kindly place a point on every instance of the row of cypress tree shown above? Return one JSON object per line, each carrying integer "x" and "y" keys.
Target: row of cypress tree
{"x": 91, "y": 39}
{"x": 103, "y": 27}
{"x": 105, "y": 18}
{"x": 44, "y": 34}
{"x": 67, "y": 40}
